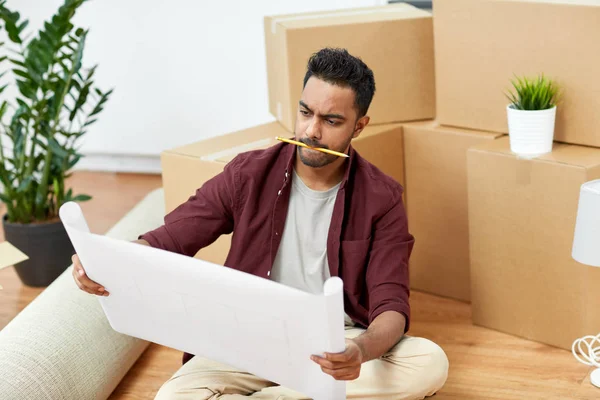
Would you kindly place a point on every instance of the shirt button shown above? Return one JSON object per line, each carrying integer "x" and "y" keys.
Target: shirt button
{"x": 276, "y": 233}
{"x": 269, "y": 273}
{"x": 279, "y": 193}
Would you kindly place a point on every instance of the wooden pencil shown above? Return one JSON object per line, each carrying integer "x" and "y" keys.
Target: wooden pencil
{"x": 335, "y": 153}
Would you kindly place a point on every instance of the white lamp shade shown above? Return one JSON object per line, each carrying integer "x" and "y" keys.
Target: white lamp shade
{"x": 586, "y": 241}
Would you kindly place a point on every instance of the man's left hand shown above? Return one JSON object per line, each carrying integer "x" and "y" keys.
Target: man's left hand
{"x": 342, "y": 366}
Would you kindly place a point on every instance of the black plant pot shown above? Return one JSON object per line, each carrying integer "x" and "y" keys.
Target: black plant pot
{"x": 48, "y": 247}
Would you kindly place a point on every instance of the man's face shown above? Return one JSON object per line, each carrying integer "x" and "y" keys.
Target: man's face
{"x": 327, "y": 118}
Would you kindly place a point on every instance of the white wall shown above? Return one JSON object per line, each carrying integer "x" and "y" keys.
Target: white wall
{"x": 183, "y": 70}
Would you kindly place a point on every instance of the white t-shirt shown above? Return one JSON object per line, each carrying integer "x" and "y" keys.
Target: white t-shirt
{"x": 301, "y": 260}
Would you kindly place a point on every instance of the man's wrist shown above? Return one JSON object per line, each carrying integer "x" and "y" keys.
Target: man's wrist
{"x": 382, "y": 334}
{"x": 361, "y": 348}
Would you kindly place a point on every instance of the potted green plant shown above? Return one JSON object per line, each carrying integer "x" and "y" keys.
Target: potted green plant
{"x": 40, "y": 128}
{"x": 531, "y": 115}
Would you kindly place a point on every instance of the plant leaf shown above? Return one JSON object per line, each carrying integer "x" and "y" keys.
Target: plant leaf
{"x": 81, "y": 198}
{"x": 88, "y": 123}
{"x": 533, "y": 93}
{"x": 11, "y": 19}
{"x": 22, "y": 26}
{"x": 24, "y": 185}
{"x": 73, "y": 162}
{"x": 17, "y": 62}
{"x": 57, "y": 149}
{"x": 21, "y": 73}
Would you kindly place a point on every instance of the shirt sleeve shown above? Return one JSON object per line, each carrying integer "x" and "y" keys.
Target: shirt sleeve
{"x": 387, "y": 273}
{"x": 205, "y": 216}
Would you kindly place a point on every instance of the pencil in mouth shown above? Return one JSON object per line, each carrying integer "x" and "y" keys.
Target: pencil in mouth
{"x": 323, "y": 150}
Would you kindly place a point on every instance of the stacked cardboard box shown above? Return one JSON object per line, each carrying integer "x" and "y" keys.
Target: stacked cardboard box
{"x": 396, "y": 41}
{"x": 477, "y": 53}
{"x": 522, "y": 217}
{"x": 436, "y": 182}
{"x": 522, "y": 212}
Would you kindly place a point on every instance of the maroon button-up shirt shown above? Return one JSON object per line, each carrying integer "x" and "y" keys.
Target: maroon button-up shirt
{"x": 368, "y": 245}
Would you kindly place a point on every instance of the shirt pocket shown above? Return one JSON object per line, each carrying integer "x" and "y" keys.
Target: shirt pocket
{"x": 354, "y": 259}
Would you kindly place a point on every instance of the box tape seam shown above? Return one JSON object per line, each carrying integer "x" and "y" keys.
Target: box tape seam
{"x": 278, "y": 20}
{"x": 236, "y": 150}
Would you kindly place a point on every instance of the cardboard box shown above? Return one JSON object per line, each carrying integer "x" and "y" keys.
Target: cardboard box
{"x": 383, "y": 146}
{"x": 395, "y": 41}
{"x": 10, "y": 255}
{"x": 436, "y": 183}
{"x": 522, "y": 217}
{"x": 186, "y": 168}
{"x": 478, "y": 52}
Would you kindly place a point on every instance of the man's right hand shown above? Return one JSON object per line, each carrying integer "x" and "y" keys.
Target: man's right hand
{"x": 82, "y": 280}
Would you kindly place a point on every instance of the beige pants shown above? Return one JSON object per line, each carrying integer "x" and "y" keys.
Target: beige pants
{"x": 413, "y": 369}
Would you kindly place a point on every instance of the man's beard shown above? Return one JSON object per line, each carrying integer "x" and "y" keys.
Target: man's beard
{"x": 315, "y": 158}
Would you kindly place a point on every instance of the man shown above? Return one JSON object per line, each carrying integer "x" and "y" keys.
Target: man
{"x": 299, "y": 216}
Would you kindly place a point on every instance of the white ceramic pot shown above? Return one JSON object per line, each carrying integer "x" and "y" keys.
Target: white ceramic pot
{"x": 531, "y": 133}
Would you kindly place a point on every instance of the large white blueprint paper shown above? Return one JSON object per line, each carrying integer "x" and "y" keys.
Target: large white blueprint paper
{"x": 236, "y": 318}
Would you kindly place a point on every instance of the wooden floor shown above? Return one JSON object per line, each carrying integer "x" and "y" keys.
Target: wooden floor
{"x": 484, "y": 364}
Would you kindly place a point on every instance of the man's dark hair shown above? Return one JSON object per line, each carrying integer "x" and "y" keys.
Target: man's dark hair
{"x": 338, "y": 67}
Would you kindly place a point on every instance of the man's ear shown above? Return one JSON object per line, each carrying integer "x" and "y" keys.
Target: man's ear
{"x": 360, "y": 125}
